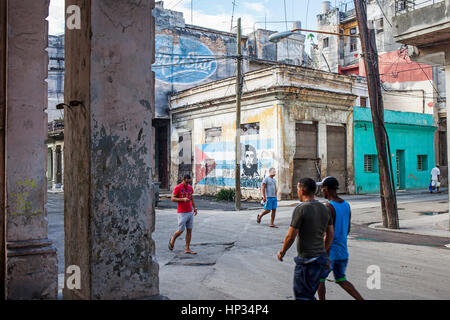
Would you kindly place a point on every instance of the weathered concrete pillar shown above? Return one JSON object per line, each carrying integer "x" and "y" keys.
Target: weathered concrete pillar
{"x": 109, "y": 218}
{"x": 2, "y": 146}
{"x": 31, "y": 258}
{"x": 62, "y": 166}
{"x": 54, "y": 166}
{"x": 447, "y": 90}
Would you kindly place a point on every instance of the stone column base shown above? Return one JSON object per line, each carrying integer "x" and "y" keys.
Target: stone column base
{"x": 32, "y": 270}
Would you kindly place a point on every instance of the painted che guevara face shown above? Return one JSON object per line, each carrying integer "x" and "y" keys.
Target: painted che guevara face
{"x": 249, "y": 159}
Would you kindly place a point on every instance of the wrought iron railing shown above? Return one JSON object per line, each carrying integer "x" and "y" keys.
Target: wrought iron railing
{"x": 405, "y": 6}
{"x": 55, "y": 126}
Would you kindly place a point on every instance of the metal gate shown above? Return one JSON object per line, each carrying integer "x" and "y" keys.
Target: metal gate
{"x": 306, "y": 163}
{"x": 337, "y": 155}
{"x": 185, "y": 158}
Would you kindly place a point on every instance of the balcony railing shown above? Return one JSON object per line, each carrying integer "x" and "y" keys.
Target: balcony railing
{"x": 55, "y": 127}
{"x": 405, "y": 6}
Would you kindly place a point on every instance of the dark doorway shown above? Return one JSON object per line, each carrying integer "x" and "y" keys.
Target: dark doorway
{"x": 306, "y": 163}
{"x": 400, "y": 161}
{"x": 185, "y": 157}
{"x": 162, "y": 152}
{"x": 337, "y": 155}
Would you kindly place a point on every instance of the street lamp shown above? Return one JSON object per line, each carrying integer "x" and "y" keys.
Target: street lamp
{"x": 275, "y": 37}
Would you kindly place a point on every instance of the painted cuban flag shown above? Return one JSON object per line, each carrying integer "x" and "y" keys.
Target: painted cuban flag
{"x": 215, "y": 162}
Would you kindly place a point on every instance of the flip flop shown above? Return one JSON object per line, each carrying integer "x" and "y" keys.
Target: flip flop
{"x": 170, "y": 244}
{"x": 258, "y": 219}
{"x": 274, "y": 226}
{"x": 190, "y": 252}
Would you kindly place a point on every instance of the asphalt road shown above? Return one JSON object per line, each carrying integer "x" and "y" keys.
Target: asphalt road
{"x": 237, "y": 257}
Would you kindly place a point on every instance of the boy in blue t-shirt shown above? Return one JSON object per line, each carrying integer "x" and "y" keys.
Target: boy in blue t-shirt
{"x": 338, "y": 255}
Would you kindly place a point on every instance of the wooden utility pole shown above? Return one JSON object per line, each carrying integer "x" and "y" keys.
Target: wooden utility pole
{"x": 368, "y": 43}
{"x": 237, "y": 172}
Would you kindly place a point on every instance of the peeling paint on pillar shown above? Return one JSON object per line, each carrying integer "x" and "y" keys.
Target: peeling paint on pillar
{"x": 117, "y": 252}
{"x": 31, "y": 258}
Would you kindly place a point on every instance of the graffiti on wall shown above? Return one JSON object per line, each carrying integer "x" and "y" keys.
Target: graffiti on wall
{"x": 182, "y": 60}
{"x": 215, "y": 163}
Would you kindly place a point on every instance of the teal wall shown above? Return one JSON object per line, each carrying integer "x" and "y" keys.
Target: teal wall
{"x": 411, "y": 132}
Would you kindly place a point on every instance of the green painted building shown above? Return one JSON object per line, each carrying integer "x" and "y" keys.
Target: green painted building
{"x": 411, "y": 137}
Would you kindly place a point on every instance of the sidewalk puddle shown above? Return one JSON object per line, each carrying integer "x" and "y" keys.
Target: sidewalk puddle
{"x": 431, "y": 213}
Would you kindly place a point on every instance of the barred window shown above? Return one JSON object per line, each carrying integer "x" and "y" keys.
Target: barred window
{"x": 422, "y": 162}
{"x": 369, "y": 163}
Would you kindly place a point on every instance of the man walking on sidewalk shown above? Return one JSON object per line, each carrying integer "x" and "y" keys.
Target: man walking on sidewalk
{"x": 269, "y": 191}
{"x": 310, "y": 221}
{"x": 435, "y": 178}
{"x": 338, "y": 254}
{"x": 183, "y": 196}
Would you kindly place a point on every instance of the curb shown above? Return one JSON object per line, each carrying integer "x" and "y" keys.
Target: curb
{"x": 375, "y": 227}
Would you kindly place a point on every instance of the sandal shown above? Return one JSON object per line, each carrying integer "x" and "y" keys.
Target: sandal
{"x": 170, "y": 244}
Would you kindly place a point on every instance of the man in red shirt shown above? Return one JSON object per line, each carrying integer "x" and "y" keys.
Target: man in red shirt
{"x": 183, "y": 196}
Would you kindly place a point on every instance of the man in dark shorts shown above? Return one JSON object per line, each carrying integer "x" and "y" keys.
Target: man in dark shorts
{"x": 310, "y": 221}
{"x": 338, "y": 255}
{"x": 183, "y": 196}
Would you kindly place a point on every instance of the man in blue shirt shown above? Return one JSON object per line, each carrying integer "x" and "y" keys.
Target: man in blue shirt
{"x": 338, "y": 253}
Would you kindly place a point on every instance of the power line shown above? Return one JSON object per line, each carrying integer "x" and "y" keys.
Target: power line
{"x": 285, "y": 15}
{"x": 384, "y": 13}
{"x": 307, "y": 11}
{"x": 176, "y": 4}
{"x": 232, "y": 15}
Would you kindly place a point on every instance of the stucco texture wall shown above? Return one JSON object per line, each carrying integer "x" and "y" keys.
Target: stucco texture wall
{"x": 214, "y": 153}
{"x": 420, "y": 132}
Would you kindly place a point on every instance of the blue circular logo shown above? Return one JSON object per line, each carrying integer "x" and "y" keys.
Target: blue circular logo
{"x": 185, "y": 62}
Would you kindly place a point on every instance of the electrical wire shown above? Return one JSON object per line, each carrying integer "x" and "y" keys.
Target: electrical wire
{"x": 176, "y": 4}
{"x": 379, "y": 5}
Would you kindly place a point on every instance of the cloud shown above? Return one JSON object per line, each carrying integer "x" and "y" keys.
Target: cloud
{"x": 258, "y": 7}
{"x": 56, "y": 18}
{"x": 220, "y": 22}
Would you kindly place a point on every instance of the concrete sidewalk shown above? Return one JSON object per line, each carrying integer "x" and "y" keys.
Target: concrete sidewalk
{"x": 432, "y": 225}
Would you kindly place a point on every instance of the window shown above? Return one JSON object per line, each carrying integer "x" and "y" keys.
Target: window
{"x": 422, "y": 162}
{"x": 249, "y": 129}
{"x": 326, "y": 42}
{"x": 353, "y": 44}
{"x": 213, "y": 135}
{"x": 370, "y": 163}
{"x": 363, "y": 102}
{"x": 379, "y": 25}
{"x": 353, "y": 31}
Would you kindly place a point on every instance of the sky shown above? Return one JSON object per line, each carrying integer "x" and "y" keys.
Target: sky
{"x": 216, "y": 14}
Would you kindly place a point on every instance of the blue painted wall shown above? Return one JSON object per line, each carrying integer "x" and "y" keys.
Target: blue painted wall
{"x": 411, "y": 132}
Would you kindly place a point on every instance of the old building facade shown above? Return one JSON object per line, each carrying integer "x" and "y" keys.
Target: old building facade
{"x": 425, "y": 28}
{"x": 186, "y": 56}
{"x": 302, "y": 122}
{"x": 55, "y": 117}
{"x": 294, "y": 119}
{"x": 408, "y": 86}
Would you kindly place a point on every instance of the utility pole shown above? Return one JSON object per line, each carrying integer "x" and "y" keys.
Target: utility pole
{"x": 369, "y": 48}
{"x": 237, "y": 171}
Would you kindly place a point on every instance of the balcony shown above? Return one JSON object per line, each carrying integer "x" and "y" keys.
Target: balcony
{"x": 56, "y": 128}
{"x": 422, "y": 23}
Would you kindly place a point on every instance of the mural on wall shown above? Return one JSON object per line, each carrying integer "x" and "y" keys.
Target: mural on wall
{"x": 182, "y": 60}
{"x": 215, "y": 163}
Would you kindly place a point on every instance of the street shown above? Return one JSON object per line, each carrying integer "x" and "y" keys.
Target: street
{"x": 237, "y": 257}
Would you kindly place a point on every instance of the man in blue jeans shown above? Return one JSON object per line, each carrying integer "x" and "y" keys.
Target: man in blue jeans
{"x": 269, "y": 191}
{"x": 340, "y": 210}
{"x": 310, "y": 221}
